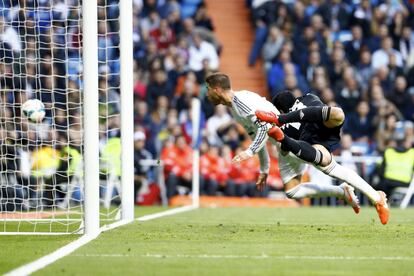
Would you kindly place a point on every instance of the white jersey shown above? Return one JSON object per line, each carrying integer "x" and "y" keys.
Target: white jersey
{"x": 244, "y": 105}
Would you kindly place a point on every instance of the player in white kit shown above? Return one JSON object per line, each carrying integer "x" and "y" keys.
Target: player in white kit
{"x": 243, "y": 105}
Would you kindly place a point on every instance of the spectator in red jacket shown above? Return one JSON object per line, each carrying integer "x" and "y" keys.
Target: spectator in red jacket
{"x": 178, "y": 165}
{"x": 208, "y": 174}
{"x": 216, "y": 170}
{"x": 244, "y": 176}
{"x": 163, "y": 35}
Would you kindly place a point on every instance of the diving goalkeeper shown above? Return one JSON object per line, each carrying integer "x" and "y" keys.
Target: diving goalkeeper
{"x": 310, "y": 131}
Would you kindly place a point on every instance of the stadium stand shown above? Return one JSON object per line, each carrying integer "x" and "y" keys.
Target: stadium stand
{"x": 359, "y": 55}
{"x": 167, "y": 77}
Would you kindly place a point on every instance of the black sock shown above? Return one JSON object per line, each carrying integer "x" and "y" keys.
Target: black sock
{"x": 313, "y": 114}
{"x": 302, "y": 149}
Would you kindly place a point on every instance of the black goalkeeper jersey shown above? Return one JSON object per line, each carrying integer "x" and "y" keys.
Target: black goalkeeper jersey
{"x": 313, "y": 133}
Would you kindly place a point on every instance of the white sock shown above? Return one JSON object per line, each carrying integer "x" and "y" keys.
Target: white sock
{"x": 309, "y": 189}
{"x": 352, "y": 178}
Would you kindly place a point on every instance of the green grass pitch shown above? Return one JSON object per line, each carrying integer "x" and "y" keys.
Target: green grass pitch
{"x": 235, "y": 241}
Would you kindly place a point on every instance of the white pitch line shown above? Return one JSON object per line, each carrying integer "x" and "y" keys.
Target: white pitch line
{"x": 263, "y": 256}
{"x": 167, "y": 213}
{"x": 52, "y": 257}
{"x": 114, "y": 225}
{"x": 37, "y": 233}
{"x": 69, "y": 248}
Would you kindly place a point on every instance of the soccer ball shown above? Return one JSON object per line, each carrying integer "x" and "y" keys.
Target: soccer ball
{"x": 34, "y": 110}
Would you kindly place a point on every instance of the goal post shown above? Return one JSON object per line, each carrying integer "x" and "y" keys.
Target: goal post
{"x": 91, "y": 113}
{"x": 408, "y": 194}
{"x": 196, "y": 113}
{"x": 72, "y": 173}
{"x": 127, "y": 116}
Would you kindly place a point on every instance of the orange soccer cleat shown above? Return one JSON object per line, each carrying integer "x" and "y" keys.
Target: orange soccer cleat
{"x": 268, "y": 117}
{"x": 276, "y": 133}
{"x": 382, "y": 208}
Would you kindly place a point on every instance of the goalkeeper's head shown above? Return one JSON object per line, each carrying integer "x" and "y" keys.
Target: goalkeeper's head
{"x": 284, "y": 100}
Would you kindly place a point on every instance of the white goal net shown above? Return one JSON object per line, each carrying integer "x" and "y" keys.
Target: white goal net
{"x": 42, "y": 165}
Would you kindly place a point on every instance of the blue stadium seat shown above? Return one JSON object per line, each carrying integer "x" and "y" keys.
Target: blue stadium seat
{"x": 189, "y": 7}
{"x": 191, "y": 2}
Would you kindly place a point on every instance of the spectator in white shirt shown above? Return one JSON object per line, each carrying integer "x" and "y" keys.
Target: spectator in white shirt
{"x": 201, "y": 50}
{"x": 220, "y": 120}
{"x": 10, "y": 36}
{"x": 381, "y": 57}
{"x": 272, "y": 46}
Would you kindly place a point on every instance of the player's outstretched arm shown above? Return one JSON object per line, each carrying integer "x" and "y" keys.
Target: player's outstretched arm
{"x": 258, "y": 143}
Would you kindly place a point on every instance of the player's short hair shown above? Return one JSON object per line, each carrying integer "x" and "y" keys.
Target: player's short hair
{"x": 284, "y": 100}
{"x": 218, "y": 80}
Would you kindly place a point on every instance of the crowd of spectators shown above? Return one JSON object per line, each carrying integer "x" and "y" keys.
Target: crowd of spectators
{"x": 345, "y": 51}
{"x": 358, "y": 55}
{"x": 173, "y": 55}
{"x": 41, "y": 57}
{"x": 355, "y": 54}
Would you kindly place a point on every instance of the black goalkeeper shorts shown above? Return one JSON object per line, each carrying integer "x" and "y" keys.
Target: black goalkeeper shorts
{"x": 320, "y": 134}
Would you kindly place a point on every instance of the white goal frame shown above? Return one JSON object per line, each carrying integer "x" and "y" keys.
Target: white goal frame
{"x": 91, "y": 115}
{"x": 90, "y": 225}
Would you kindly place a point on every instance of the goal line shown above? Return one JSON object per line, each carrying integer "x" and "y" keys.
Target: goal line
{"x": 71, "y": 247}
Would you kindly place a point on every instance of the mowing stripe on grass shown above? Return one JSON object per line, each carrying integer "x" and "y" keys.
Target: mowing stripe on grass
{"x": 263, "y": 256}
{"x": 51, "y": 258}
{"x": 69, "y": 248}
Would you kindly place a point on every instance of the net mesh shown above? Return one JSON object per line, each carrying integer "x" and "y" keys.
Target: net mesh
{"x": 41, "y": 176}
{"x": 109, "y": 109}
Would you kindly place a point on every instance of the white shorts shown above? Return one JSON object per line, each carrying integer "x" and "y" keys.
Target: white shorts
{"x": 290, "y": 166}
